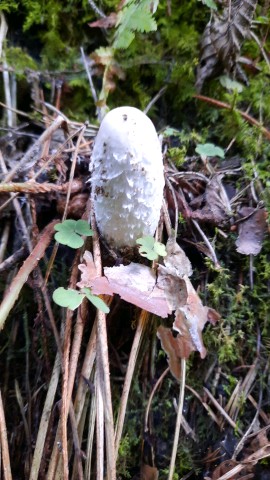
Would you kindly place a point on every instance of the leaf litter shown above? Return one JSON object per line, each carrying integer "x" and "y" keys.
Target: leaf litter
{"x": 163, "y": 292}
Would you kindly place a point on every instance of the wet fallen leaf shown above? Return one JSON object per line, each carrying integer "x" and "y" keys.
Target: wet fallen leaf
{"x": 136, "y": 284}
{"x": 168, "y": 291}
{"x": 186, "y": 335}
{"x": 251, "y": 231}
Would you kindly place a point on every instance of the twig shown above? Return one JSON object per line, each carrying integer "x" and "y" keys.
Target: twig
{"x": 44, "y": 422}
{"x": 97, "y": 10}
{"x": 178, "y": 418}
{"x": 208, "y": 243}
{"x": 30, "y": 263}
{"x": 3, "y": 31}
{"x": 227, "y": 106}
{"x": 37, "y": 188}
{"x": 19, "y": 112}
{"x": 91, "y": 83}
{"x": 33, "y": 151}
{"x": 4, "y": 240}
{"x": 155, "y": 99}
{"x": 176, "y": 220}
{"x": 158, "y": 382}
{"x": 221, "y": 410}
{"x": 103, "y": 372}
{"x": 4, "y": 443}
{"x": 144, "y": 316}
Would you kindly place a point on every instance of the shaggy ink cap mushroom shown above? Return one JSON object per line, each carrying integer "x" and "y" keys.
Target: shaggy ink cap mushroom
{"x": 127, "y": 177}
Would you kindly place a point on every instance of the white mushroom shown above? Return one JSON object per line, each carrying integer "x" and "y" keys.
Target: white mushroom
{"x": 127, "y": 177}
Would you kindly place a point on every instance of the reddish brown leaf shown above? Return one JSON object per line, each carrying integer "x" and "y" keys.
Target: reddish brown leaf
{"x": 189, "y": 323}
{"x": 137, "y": 285}
{"x": 106, "y": 22}
{"x": 216, "y": 206}
{"x": 148, "y": 472}
{"x": 251, "y": 231}
{"x": 227, "y": 466}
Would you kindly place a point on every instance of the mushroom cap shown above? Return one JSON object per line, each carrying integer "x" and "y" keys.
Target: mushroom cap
{"x": 127, "y": 177}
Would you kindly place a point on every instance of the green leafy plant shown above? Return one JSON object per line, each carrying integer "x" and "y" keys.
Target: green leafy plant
{"x": 136, "y": 16}
{"x": 70, "y": 232}
{"x": 72, "y": 299}
{"x": 210, "y": 4}
{"x": 150, "y": 248}
{"x": 209, "y": 150}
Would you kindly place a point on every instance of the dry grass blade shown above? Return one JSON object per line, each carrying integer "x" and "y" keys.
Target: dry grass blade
{"x": 144, "y": 316}
{"x": 221, "y": 410}
{"x": 4, "y": 443}
{"x": 44, "y": 422}
{"x": 178, "y": 418}
{"x": 30, "y": 263}
{"x": 103, "y": 372}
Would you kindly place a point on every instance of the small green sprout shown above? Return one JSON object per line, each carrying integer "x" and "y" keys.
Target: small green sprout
{"x": 209, "y": 150}
{"x": 72, "y": 299}
{"x": 70, "y": 232}
{"x": 150, "y": 248}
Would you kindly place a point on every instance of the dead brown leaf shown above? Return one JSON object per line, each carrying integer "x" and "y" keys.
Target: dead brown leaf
{"x": 148, "y": 472}
{"x": 216, "y": 206}
{"x": 251, "y": 231}
{"x": 169, "y": 291}
{"x": 227, "y": 465}
{"x": 189, "y": 322}
{"x": 106, "y": 22}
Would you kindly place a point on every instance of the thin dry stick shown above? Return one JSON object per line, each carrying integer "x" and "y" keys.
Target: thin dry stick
{"x": 159, "y": 381}
{"x": 64, "y": 406}
{"x": 37, "y": 188}
{"x": 221, "y": 410}
{"x": 227, "y": 106}
{"x": 19, "y": 280}
{"x": 154, "y": 99}
{"x": 90, "y": 438}
{"x": 73, "y": 166}
{"x": 144, "y": 316}
{"x": 103, "y": 368}
{"x": 208, "y": 243}
{"x": 76, "y": 442}
{"x": 33, "y": 151}
{"x": 4, "y": 240}
{"x": 178, "y": 418}
{"x": 87, "y": 368}
{"x": 99, "y": 422}
{"x": 66, "y": 351}
{"x": 91, "y": 83}
{"x": 44, "y": 422}
{"x": 4, "y": 443}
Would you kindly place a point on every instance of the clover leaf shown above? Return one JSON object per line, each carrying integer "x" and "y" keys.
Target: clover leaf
{"x": 209, "y": 150}
{"x": 72, "y": 299}
{"x": 96, "y": 301}
{"x": 150, "y": 248}
{"x": 67, "y": 298}
{"x": 70, "y": 232}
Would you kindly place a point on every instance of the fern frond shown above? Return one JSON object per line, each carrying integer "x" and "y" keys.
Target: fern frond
{"x": 136, "y": 16}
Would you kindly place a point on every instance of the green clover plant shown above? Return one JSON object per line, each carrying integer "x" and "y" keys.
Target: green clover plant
{"x": 72, "y": 299}
{"x": 150, "y": 248}
{"x": 70, "y": 233}
{"x": 209, "y": 150}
